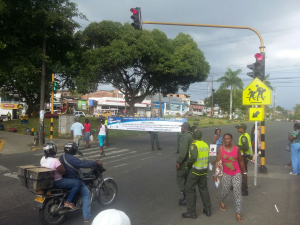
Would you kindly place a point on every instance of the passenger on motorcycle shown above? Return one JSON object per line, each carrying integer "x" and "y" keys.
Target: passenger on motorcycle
{"x": 72, "y": 165}
{"x": 51, "y": 162}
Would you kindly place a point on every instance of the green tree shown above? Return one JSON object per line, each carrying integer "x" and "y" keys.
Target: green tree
{"x": 297, "y": 112}
{"x": 232, "y": 81}
{"x": 26, "y": 26}
{"x": 139, "y": 63}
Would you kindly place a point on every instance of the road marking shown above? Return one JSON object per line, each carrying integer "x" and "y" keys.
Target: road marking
{"x": 12, "y": 175}
{"x": 2, "y": 142}
{"x": 2, "y": 168}
{"x": 127, "y": 157}
{"x": 276, "y": 208}
{"x": 82, "y": 150}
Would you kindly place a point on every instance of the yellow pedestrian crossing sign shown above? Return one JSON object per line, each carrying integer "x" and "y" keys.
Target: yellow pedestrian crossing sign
{"x": 256, "y": 114}
{"x": 257, "y": 93}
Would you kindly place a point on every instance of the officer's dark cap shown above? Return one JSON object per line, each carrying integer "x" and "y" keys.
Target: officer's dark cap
{"x": 197, "y": 134}
{"x": 241, "y": 125}
{"x": 186, "y": 125}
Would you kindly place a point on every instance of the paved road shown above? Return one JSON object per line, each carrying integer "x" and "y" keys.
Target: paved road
{"x": 148, "y": 193}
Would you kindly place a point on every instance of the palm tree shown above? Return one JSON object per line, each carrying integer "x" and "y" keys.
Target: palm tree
{"x": 231, "y": 79}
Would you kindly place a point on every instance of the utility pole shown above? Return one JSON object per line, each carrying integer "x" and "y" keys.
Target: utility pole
{"x": 160, "y": 108}
{"x": 212, "y": 96}
{"x": 151, "y": 105}
{"x": 42, "y": 100}
{"x": 274, "y": 103}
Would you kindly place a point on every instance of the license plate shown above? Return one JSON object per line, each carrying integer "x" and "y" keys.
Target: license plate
{"x": 40, "y": 199}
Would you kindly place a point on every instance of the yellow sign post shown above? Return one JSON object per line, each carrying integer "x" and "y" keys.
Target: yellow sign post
{"x": 257, "y": 93}
{"x": 256, "y": 114}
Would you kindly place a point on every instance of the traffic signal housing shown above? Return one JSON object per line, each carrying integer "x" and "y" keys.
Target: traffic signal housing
{"x": 136, "y": 16}
{"x": 258, "y": 67}
{"x": 54, "y": 86}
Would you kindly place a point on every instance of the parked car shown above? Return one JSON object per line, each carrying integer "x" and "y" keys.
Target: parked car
{"x": 57, "y": 111}
{"x": 48, "y": 115}
{"x": 79, "y": 114}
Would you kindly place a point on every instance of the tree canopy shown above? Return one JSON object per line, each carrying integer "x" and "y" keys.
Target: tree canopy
{"x": 24, "y": 25}
{"x": 138, "y": 63}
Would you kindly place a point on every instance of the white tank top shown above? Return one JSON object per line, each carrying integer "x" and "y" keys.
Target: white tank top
{"x": 102, "y": 130}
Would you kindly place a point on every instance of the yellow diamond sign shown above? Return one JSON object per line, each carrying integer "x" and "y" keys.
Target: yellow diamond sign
{"x": 256, "y": 114}
{"x": 257, "y": 93}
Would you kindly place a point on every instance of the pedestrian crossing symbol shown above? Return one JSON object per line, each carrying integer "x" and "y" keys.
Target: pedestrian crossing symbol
{"x": 257, "y": 93}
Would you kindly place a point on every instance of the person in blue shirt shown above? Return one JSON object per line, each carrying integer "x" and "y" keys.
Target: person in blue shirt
{"x": 72, "y": 166}
{"x": 77, "y": 131}
{"x": 217, "y": 139}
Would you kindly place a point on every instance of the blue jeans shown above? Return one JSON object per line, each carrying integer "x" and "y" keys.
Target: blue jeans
{"x": 295, "y": 155}
{"x": 86, "y": 200}
{"x": 68, "y": 183}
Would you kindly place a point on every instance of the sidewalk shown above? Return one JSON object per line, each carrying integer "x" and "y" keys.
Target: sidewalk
{"x": 19, "y": 143}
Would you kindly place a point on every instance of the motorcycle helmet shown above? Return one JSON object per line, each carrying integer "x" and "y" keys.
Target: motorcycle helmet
{"x": 111, "y": 217}
{"x": 71, "y": 148}
{"x": 50, "y": 149}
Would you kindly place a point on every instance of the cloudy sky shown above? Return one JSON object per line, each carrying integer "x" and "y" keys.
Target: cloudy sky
{"x": 278, "y": 21}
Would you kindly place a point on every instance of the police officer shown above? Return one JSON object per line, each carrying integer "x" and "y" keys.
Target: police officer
{"x": 246, "y": 151}
{"x": 154, "y": 137}
{"x": 179, "y": 135}
{"x": 198, "y": 164}
{"x": 185, "y": 143}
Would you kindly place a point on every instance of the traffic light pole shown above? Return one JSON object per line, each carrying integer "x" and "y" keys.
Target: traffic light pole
{"x": 52, "y": 100}
{"x": 262, "y": 168}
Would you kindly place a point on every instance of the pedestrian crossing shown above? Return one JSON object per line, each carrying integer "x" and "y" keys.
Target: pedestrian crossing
{"x": 112, "y": 155}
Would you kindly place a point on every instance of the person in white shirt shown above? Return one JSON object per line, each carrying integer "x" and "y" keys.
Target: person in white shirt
{"x": 102, "y": 130}
{"x": 77, "y": 131}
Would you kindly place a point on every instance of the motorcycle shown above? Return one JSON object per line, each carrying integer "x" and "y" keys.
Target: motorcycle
{"x": 51, "y": 203}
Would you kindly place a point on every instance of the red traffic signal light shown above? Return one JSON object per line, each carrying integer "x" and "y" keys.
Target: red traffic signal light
{"x": 136, "y": 16}
{"x": 259, "y": 56}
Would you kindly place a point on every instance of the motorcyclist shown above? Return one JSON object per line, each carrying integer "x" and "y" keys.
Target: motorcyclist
{"x": 51, "y": 162}
{"x": 72, "y": 165}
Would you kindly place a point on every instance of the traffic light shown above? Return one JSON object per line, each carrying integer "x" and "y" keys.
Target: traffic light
{"x": 258, "y": 67}
{"x": 55, "y": 86}
{"x": 136, "y": 16}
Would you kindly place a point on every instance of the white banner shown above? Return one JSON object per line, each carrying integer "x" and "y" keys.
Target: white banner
{"x": 213, "y": 150}
{"x": 146, "y": 124}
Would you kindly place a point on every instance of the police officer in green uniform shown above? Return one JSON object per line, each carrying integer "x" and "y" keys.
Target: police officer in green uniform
{"x": 185, "y": 143}
{"x": 179, "y": 135}
{"x": 154, "y": 137}
{"x": 246, "y": 151}
{"x": 198, "y": 164}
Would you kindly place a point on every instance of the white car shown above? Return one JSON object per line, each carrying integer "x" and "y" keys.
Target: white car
{"x": 79, "y": 114}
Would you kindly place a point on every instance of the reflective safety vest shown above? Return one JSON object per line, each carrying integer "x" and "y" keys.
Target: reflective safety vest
{"x": 105, "y": 122}
{"x": 201, "y": 164}
{"x": 249, "y": 151}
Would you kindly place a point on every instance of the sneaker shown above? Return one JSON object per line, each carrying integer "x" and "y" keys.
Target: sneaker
{"x": 291, "y": 173}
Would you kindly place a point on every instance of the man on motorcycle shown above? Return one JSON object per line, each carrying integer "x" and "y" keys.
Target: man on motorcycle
{"x": 72, "y": 165}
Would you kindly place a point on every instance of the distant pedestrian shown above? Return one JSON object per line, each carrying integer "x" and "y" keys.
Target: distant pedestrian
{"x": 198, "y": 165}
{"x": 181, "y": 171}
{"x": 8, "y": 116}
{"x": 77, "y": 131}
{"x": 87, "y": 132}
{"x": 154, "y": 137}
{"x": 245, "y": 146}
{"x": 217, "y": 139}
{"x": 102, "y": 130}
{"x": 295, "y": 149}
{"x": 233, "y": 164}
{"x": 106, "y": 137}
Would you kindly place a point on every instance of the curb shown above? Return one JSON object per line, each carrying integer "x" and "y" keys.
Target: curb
{"x": 39, "y": 148}
{"x": 2, "y": 142}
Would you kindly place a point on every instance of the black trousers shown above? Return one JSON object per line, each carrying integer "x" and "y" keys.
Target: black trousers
{"x": 246, "y": 159}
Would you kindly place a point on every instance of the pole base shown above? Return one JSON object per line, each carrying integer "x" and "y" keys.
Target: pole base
{"x": 263, "y": 170}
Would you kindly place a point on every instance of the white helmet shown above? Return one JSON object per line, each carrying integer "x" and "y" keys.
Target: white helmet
{"x": 111, "y": 217}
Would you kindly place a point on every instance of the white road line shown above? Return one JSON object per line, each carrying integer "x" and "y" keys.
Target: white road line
{"x": 96, "y": 156}
{"x": 127, "y": 157}
{"x": 276, "y": 208}
{"x": 2, "y": 168}
{"x": 82, "y": 150}
{"x": 148, "y": 158}
{"x": 12, "y": 175}
{"x": 93, "y": 152}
